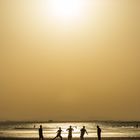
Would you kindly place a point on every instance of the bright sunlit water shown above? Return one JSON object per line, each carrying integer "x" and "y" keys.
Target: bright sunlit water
{"x": 109, "y": 129}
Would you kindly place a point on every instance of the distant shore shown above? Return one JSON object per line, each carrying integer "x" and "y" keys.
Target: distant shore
{"x": 108, "y": 138}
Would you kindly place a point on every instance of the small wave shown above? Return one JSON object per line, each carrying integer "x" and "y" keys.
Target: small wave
{"x": 24, "y": 128}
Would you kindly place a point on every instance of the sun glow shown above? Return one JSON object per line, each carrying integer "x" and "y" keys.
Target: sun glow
{"x": 65, "y": 9}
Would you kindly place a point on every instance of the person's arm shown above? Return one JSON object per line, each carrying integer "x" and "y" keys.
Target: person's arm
{"x": 86, "y": 132}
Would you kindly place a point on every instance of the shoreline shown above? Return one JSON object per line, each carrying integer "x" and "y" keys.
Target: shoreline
{"x": 94, "y": 138}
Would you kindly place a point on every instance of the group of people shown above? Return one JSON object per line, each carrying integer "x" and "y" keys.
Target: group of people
{"x": 70, "y": 129}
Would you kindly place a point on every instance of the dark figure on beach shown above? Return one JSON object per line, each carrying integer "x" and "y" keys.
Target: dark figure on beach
{"x": 58, "y": 133}
{"x": 70, "y": 129}
{"x": 137, "y": 125}
{"x": 99, "y": 132}
{"x": 40, "y": 133}
{"x": 83, "y": 131}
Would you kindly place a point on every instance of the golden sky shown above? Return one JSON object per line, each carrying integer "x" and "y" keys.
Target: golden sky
{"x": 69, "y": 59}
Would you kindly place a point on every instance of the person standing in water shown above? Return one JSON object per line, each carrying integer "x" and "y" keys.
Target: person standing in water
{"x": 40, "y": 133}
{"x": 70, "y": 129}
{"x": 99, "y": 132}
{"x": 58, "y": 134}
{"x": 83, "y": 131}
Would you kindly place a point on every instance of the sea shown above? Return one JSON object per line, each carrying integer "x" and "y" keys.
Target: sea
{"x": 10, "y": 129}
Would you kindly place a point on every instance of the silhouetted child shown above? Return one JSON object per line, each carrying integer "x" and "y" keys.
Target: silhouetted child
{"x": 40, "y": 133}
{"x": 99, "y": 132}
{"x": 83, "y": 131}
{"x": 70, "y": 129}
{"x": 58, "y": 134}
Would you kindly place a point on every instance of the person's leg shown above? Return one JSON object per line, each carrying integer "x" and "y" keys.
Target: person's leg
{"x": 69, "y": 137}
{"x": 60, "y": 137}
{"x": 99, "y": 137}
{"x": 81, "y": 138}
{"x": 54, "y": 138}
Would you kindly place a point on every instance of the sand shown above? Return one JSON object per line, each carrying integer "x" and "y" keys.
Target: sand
{"x": 118, "y": 138}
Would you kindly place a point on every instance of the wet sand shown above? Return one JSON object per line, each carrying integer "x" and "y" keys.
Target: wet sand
{"x": 114, "y": 138}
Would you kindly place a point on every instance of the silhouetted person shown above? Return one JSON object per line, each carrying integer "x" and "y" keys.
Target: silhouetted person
{"x": 40, "y": 133}
{"x": 137, "y": 125}
{"x": 70, "y": 129}
{"x": 83, "y": 131}
{"x": 58, "y": 133}
{"x": 99, "y": 132}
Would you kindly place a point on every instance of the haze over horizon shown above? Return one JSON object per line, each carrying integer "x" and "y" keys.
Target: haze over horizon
{"x": 69, "y": 60}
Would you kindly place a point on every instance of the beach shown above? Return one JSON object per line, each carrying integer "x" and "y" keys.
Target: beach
{"x": 29, "y": 130}
{"x": 107, "y": 138}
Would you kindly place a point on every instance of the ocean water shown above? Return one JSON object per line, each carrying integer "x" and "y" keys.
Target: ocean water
{"x": 30, "y": 129}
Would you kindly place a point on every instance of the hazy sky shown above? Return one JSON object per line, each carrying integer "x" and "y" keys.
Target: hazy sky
{"x": 69, "y": 59}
